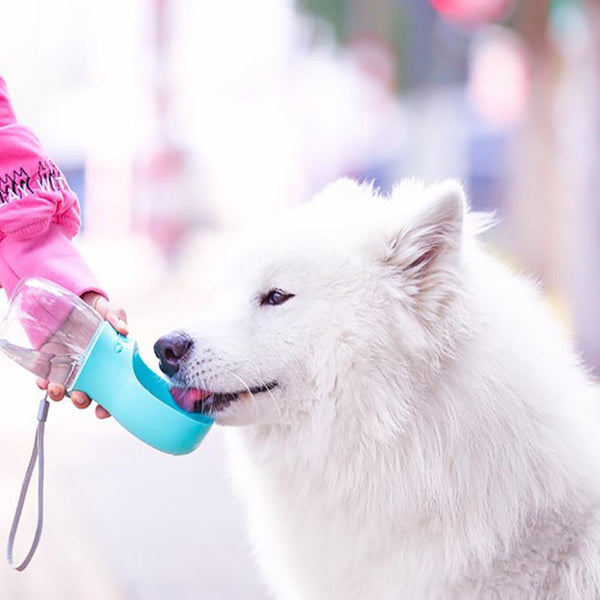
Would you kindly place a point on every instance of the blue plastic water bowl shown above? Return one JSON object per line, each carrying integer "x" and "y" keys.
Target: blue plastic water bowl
{"x": 113, "y": 373}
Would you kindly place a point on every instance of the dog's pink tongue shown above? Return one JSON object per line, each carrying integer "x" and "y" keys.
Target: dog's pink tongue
{"x": 186, "y": 398}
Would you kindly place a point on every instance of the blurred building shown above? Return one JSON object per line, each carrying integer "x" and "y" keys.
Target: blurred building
{"x": 505, "y": 95}
{"x": 178, "y": 116}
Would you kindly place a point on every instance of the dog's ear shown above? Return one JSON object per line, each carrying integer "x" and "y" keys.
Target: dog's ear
{"x": 428, "y": 242}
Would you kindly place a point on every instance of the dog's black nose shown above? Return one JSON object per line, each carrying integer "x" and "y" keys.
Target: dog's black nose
{"x": 170, "y": 349}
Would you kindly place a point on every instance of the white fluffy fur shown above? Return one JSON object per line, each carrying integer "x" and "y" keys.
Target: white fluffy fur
{"x": 432, "y": 435}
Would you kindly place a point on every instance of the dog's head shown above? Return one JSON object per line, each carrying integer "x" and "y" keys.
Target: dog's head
{"x": 341, "y": 292}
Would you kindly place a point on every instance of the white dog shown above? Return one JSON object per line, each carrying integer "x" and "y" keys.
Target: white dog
{"x": 415, "y": 426}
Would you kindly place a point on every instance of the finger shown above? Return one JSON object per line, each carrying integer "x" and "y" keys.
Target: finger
{"x": 116, "y": 316}
{"x": 80, "y": 400}
{"x": 102, "y": 306}
{"x": 118, "y": 319}
{"x": 41, "y": 383}
{"x": 56, "y": 391}
{"x": 101, "y": 412}
{"x": 120, "y": 312}
{"x": 93, "y": 299}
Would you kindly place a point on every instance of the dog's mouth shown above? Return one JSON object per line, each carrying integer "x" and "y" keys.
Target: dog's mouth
{"x": 198, "y": 400}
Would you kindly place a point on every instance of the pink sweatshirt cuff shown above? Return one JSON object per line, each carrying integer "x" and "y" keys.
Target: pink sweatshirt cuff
{"x": 50, "y": 255}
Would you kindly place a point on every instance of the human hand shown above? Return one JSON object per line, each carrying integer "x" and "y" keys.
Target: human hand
{"x": 117, "y": 317}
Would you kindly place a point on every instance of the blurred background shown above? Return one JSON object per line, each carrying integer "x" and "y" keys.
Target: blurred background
{"x": 176, "y": 121}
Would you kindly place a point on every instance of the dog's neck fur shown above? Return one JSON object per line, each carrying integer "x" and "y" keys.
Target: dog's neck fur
{"x": 413, "y": 468}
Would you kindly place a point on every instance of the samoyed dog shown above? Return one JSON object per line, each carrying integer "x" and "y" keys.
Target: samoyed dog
{"x": 411, "y": 423}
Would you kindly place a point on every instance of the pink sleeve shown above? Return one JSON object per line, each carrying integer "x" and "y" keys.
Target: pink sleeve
{"x": 39, "y": 214}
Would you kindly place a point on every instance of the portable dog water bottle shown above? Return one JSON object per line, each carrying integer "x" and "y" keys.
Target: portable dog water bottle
{"x": 54, "y": 334}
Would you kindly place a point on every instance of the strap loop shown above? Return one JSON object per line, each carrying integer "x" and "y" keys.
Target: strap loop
{"x": 37, "y": 456}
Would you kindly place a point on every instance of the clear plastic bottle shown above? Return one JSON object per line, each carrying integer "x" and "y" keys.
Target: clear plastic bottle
{"x": 47, "y": 330}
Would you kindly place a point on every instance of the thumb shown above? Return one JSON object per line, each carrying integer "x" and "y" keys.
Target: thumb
{"x": 118, "y": 319}
{"x": 115, "y": 315}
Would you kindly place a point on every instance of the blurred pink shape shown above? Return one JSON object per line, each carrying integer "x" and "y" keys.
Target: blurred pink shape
{"x": 472, "y": 12}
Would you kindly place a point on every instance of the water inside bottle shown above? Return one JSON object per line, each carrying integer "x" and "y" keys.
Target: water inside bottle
{"x": 47, "y": 330}
{"x": 57, "y": 368}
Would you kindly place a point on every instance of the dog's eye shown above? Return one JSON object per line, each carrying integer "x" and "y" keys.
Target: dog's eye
{"x": 275, "y": 297}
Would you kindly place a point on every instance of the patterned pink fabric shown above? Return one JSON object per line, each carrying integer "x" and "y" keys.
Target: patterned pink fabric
{"x": 39, "y": 213}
